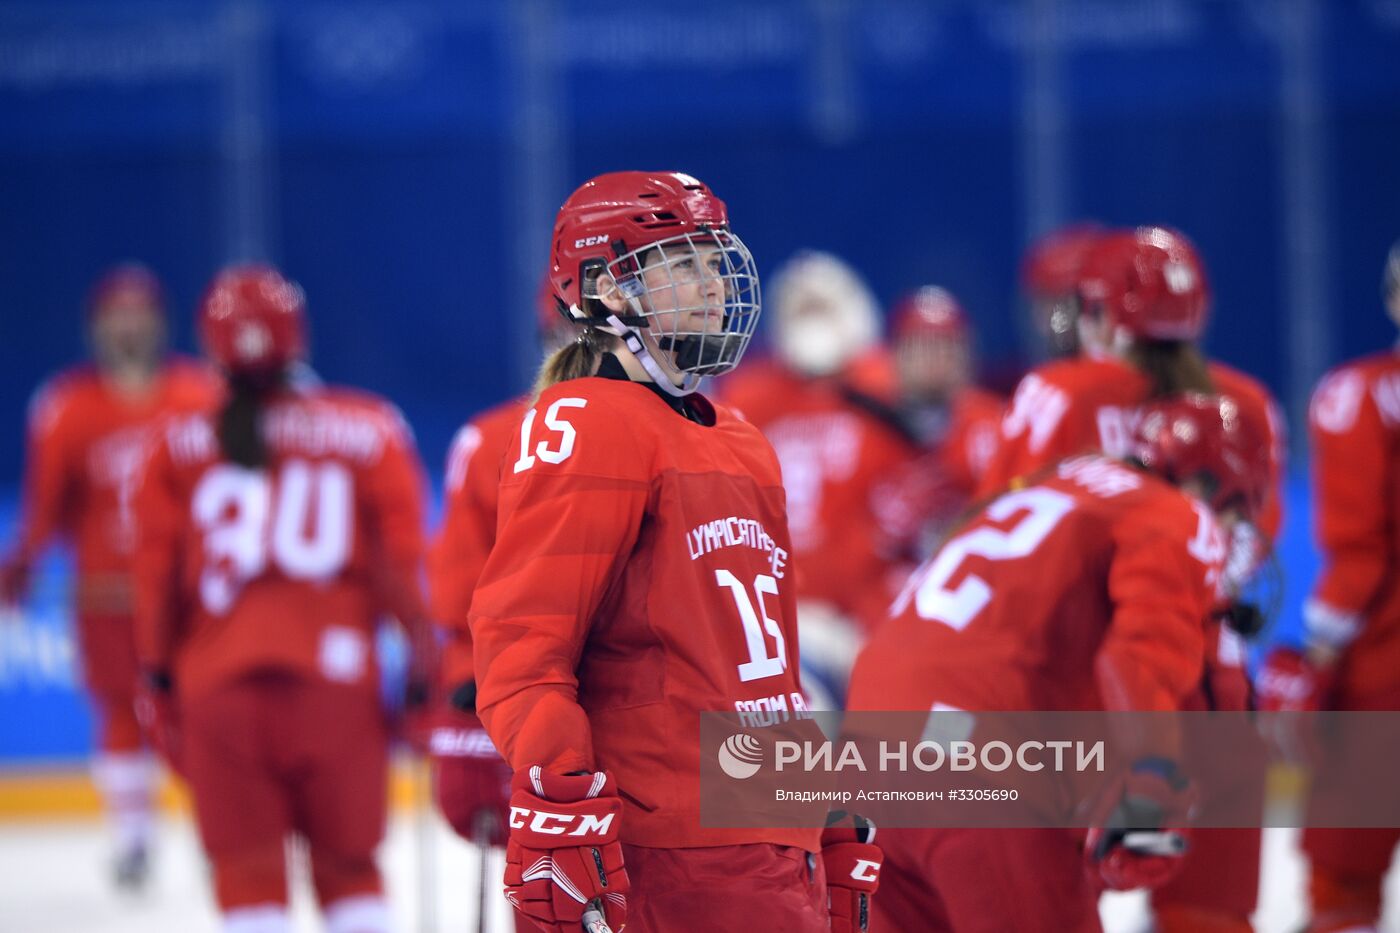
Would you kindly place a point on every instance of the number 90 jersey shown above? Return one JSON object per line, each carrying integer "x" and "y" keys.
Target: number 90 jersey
{"x": 641, "y": 575}
{"x": 1069, "y": 407}
{"x": 1089, "y": 590}
{"x": 287, "y": 567}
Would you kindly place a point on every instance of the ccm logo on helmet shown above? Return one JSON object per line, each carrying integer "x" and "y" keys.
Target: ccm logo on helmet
{"x": 1180, "y": 277}
{"x": 590, "y": 241}
{"x": 559, "y": 824}
{"x": 866, "y": 870}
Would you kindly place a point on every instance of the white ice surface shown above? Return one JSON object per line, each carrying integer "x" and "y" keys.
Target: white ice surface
{"x": 54, "y": 879}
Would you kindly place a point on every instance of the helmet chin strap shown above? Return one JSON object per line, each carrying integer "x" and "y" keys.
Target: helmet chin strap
{"x": 633, "y": 341}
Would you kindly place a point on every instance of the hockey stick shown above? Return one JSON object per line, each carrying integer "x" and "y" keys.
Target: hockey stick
{"x": 483, "y": 829}
{"x": 424, "y": 840}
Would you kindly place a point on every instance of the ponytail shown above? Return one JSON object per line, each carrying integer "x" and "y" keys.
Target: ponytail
{"x": 240, "y": 420}
{"x": 574, "y": 360}
{"x": 1172, "y": 366}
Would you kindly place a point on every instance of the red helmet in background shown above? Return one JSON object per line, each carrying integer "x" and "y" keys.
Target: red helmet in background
{"x": 251, "y": 319}
{"x": 1190, "y": 435}
{"x": 1149, "y": 281}
{"x": 931, "y": 311}
{"x": 1051, "y": 265}
{"x": 932, "y": 345}
{"x": 124, "y": 285}
{"x": 646, "y": 232}
{"x": 1050, "y": 278}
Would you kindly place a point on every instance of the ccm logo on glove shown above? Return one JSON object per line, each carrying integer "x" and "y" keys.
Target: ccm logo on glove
{"x": 866, "y": 871}
{"x": 558, "y": 824}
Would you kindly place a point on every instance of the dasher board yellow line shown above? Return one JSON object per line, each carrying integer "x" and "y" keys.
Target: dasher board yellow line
{"x": 68, "y": 792}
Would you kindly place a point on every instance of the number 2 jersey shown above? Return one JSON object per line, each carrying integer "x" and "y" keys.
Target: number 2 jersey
{"x": 641, "y": 575}
{"x": 288, "y": 567}
{"x": 1087, "y": 591}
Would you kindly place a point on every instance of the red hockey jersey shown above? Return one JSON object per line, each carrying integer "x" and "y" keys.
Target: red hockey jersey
{"x": 468, "y": 530}
{"x": 834, "y": 454}
{"x": 1089, "y": 403}
{"x": 287, "y": 567}
{"x": 1086, "y": 591}
{"x": 1354, "y": 422}
{"x": 972, "y": 440}
{"x": 641, "y": 574}
{"x": 926, "y": 492}
{"x": 86, "y": 447}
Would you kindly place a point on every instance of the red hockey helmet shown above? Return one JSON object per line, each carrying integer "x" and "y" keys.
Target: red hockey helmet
{"x": 251, "y": 319}
{"x": 1149, "y": 281}
{"x": 1193, "y": 435}
{"x": 931, "y": 311}
{"x": 1051, "y": 266}
{"x": 646, "y": 231}
{"x": 125, "y": 285}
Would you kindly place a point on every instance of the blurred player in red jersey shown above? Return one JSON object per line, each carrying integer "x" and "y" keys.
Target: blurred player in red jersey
{"x": 1086, "y": 589}
{"x": 823, "y": 403}
{"x": 640, "y": 575}
{"x": 1143, "y": 303}
{"x": 88, "y": 432}
{"x": 472, "y": 780}
{"x": 1351, "y": 656}
{"x": 950, "y": 423}
{"x": 1050, "y": 279}
{"x": 276, "y": 528}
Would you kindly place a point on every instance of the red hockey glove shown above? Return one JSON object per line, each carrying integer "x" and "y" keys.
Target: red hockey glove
{"x": 1289, "y": 683}
{"x": 418, "y": 715}
{"x": 852, "y": 863}
{"x": 563, "y": 857}
{"x": 472, "y": 779}
{"x": 1141, "y": 842}
{"x": 15, "y": 576}
{"x": 155, "y": 711}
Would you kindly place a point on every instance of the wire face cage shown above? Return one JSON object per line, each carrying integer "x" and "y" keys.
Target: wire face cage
{"x": 696, "y": 295}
